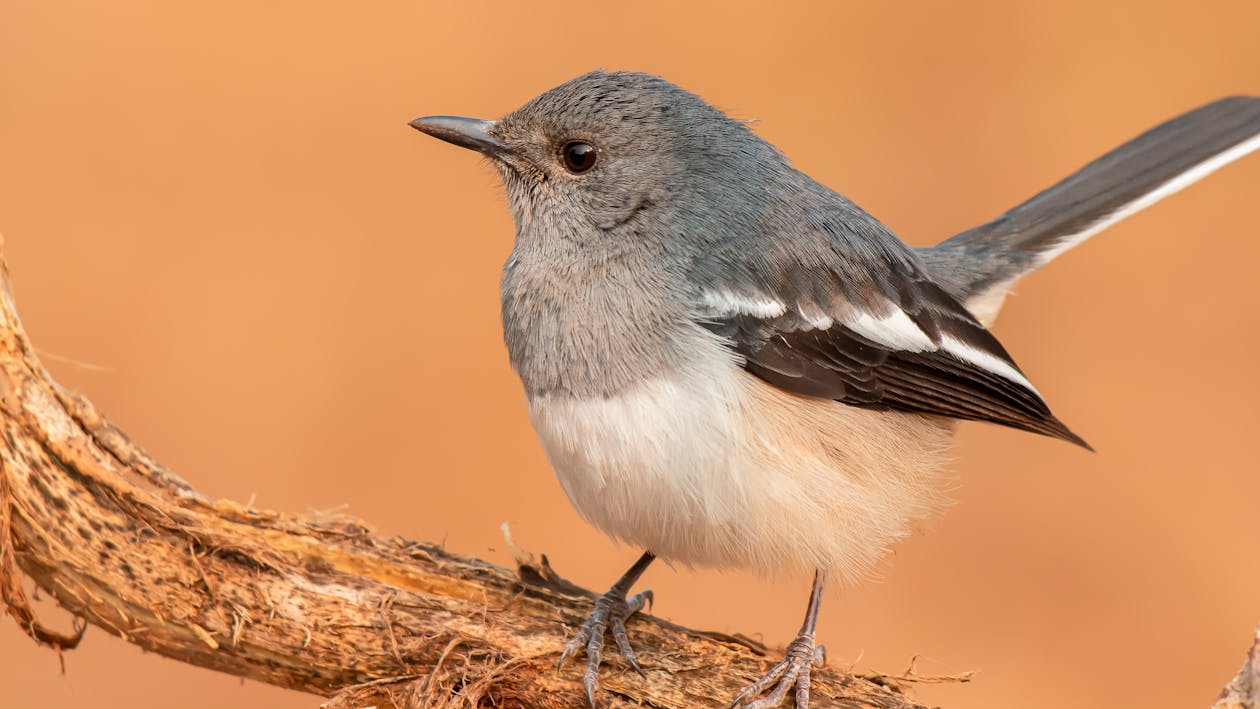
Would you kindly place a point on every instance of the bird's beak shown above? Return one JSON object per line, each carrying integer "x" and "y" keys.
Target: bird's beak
{"x": 471, "y": 133}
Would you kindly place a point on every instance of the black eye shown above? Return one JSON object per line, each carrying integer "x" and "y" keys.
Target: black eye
{"x": 578, "y": 157}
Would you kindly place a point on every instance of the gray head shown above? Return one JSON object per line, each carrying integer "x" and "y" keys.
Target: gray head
{"x": 632, "y": 197}
{"x": 589, "y": 156}
{"x": 616, "y": 181}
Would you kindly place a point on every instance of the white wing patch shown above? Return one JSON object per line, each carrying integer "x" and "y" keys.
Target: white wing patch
{"x": 1176, "y": 184}
{"x": 725, "y": 303}
{"x": 899, "y": 331}
{"x": 814, "y": 315}
{"x": 895, "y": 330}
{"x": 985, "y": 361}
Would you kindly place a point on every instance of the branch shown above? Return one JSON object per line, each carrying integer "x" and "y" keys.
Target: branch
{"x": 1243, "y": 691}
{"x": 321, "y": 605}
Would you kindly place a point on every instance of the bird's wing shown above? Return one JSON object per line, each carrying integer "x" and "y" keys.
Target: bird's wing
{"x": 881, "y": 334}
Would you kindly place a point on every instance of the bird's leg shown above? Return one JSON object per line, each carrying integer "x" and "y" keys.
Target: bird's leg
{"x": 802, "y": 655}
{"x": 612, "y": 608}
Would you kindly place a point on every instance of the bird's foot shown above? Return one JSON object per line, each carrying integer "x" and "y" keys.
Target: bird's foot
{"x": 801, "y": 657}
{"x": 612, "y": 608}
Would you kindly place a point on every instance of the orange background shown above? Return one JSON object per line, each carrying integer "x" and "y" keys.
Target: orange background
{"x": 222, "y": 231}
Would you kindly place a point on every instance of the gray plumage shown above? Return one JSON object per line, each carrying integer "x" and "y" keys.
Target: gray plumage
{"x": 609, "y": 274}
{"x": 730, "y": 364}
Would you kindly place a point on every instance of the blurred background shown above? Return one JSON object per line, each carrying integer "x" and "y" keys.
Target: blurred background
{"x": 222, "y": 231}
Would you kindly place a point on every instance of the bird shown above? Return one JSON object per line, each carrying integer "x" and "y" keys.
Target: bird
{"x": 731, "y": 365}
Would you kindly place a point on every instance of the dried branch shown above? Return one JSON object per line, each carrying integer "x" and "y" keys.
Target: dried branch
{"x": 319, "y": 605}
{"x": 1243, "y": 691}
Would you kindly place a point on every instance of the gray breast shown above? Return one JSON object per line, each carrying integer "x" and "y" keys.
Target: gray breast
{"x": 582, "y": 325}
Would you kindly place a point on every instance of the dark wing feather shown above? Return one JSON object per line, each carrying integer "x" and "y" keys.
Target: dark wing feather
{"x": 963, "y": 373}
{"x": 821, "y": 299}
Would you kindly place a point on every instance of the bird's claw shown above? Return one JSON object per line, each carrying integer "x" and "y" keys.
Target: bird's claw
{"x": 613, "y": 609}
{"x": 793, "y": 672}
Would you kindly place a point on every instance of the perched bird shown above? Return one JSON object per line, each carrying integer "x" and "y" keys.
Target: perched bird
{"x": 731, "y": 365}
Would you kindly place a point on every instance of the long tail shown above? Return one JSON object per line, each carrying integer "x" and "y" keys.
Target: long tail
{"x": 979, "y": 265}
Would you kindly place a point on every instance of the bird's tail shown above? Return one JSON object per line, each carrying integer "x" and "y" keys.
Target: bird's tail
{"x": 979, "y": 265}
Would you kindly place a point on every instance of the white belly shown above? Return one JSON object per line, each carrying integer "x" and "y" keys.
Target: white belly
{"x": 720, "y": 469}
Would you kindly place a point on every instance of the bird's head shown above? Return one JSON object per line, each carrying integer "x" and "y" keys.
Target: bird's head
{"x": 608, "y": 152}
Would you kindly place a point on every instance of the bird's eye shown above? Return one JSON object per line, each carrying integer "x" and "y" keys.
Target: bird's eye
{"x": 578, "y": 157}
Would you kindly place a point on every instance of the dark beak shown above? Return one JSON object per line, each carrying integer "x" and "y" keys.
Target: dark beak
{"x": 471, "y": 133}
